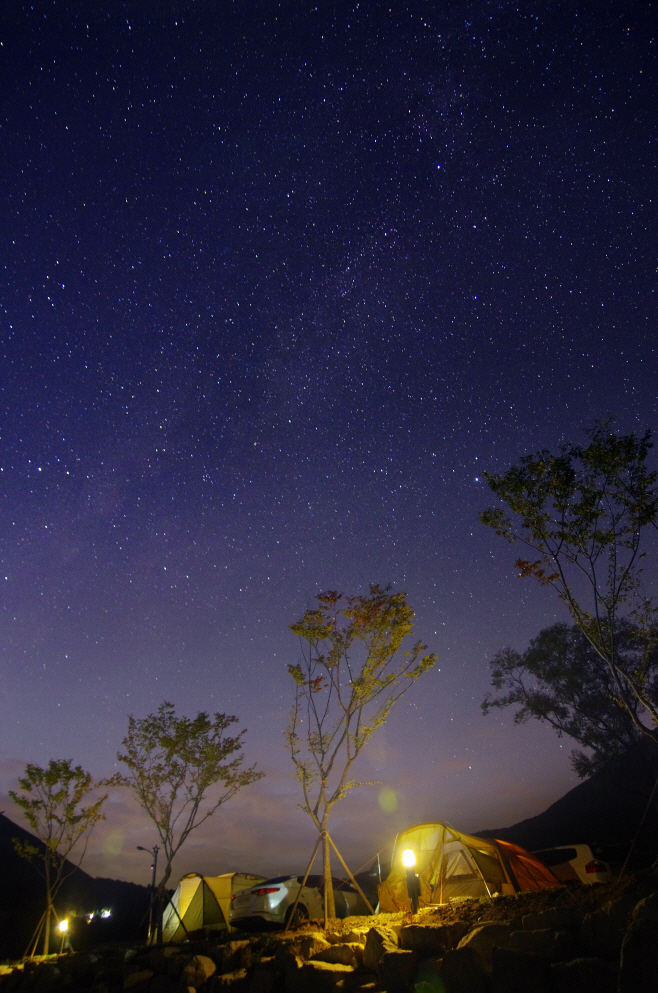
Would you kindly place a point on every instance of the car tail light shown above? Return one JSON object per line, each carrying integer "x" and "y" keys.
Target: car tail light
{"x": 596, "y": 866}
{"x": 265, "y": 889}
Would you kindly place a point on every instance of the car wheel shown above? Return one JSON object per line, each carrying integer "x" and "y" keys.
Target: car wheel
{"x": 301, "y": 915}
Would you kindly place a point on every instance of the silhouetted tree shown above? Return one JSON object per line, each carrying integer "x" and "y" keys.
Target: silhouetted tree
{"x": 583, "y": 512}
{"x": 562, "y": 681}
{"x": 348, "y": 679}
{"x": 173, "y": 764}
{"x": 58, "y": 804}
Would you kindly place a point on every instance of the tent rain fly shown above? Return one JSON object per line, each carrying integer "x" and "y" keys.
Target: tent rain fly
{"x": 451, "y": 865}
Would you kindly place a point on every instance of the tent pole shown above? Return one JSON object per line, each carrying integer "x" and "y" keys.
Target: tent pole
{"x": 173, "y": 905}
{"x": 34, "y": 940}
{"x": 340, "y": 857}
{"x": 294, "y": 906}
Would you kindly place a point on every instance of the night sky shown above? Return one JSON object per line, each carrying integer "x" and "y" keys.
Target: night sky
{"x": 278, "y": 282}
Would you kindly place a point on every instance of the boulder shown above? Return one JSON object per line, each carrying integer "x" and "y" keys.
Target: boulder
{"x": 163, "y": 984}
{"x": 265, "y": 978}
{"x": 461, "y": 972}
{"x": 378, "y": 941}
{"x": 483, "y": 939}
{"x": 198, "y": 970}
{"x": 396, "y": 970}
{"x": 603, "y": 930}
{"x": 517, "y": 972}
{"x": 311, "y": 944}
{"x": 347, "y": 953}
{"x": 555, "y": 918}
{"x": 137, "y": 980}
{"x": 552, "y": 945}
{"x": 429, "y": 942}
{"x": 584, "y": 975}
{"x": 637, "y": 968}
{"x": 237, "y": 981}
{"x": 315, "y": 977}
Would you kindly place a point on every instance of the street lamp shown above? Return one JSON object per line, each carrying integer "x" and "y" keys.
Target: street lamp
{"x": 413, "y": 883}
{"x": 153, "y": 852}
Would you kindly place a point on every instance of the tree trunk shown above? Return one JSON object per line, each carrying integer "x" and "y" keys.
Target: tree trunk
{"x": 46, "y": 930}
{"x": 329, "y": 903}
{"x": 159, "y": 903}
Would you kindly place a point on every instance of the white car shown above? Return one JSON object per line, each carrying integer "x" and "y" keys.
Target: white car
{"x": 270, "y": 903}
{"x": 575, "y": 863}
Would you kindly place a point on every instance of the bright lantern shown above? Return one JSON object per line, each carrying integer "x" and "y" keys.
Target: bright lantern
{"x": 63, "y": 926}
{"x": 408, "y": 858}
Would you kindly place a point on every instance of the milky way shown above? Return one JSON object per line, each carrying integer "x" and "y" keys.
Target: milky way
{"x": 279, "y": 282}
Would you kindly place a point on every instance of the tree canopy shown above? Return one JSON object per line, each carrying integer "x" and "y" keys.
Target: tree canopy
{"x": 61, "y": 805}
{"x": 173, "y": 764}
{"x": 583, "y": 512}
{"x": 353, "y": 670}
{"x": 562, "y": 681}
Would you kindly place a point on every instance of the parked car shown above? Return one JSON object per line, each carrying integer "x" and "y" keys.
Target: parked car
{"x": 270, "y": 903}
{"x": 575, "y": 863}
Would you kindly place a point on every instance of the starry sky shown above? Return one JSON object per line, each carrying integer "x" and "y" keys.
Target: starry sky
{"x": 278, "y": 281}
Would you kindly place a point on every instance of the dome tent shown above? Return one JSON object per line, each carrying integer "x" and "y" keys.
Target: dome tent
{"x": 203, "y": 902}
{"x": 451, "y": 865}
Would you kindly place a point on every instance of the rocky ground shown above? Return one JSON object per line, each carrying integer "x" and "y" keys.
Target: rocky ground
{"x": 600, "y": 939}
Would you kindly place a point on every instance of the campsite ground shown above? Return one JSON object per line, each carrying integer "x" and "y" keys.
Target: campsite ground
{"x": 312, "y": 959}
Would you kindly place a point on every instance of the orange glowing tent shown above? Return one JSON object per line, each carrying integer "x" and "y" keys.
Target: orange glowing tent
{"x": 451, "y": 865}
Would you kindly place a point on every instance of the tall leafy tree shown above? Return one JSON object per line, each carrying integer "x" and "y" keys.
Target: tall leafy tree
{"x": 182, "y": 770}
{"x": 61, "y": 805}
{"x": 563, "y": 682}
{"x": 352, "y": 671}
{"x": 583, "y": 512}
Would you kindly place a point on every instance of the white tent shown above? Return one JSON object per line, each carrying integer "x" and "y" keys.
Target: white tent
{"x": 202, "y": 903}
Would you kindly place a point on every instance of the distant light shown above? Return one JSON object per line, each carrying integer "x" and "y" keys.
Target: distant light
{"x": 106, "y": 913}
{"x": 408, "y": 858}
{"x": 63, "y": 926}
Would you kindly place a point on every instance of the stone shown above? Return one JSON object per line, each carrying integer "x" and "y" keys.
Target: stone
{"x": 163, "y": 984}
{"x": 137, "y": 978}
{"x": 637, "y": 968}
{"x": 584, "y": 975}
{"x": 428, "y": 976}
{"x": 516, "y": 972}
{"x": 198, "y": 970}
{"x": 603, "y": 930}
{"x": 358, "y": 934}
{"x": 309, "y": 945}
{"x": 484, "y": 938}
{"x": 555, "y": 918}
{"x": 234, "y": 953}
{"x": 378, "y": 941}
{"x": 461, "y": 972}
{"x": 347, "y": 953}
{"x": 427, "y": 941}
{"x": 266, "y": 978}
{"x": 551, "y": 945}
{"x": 237, "y": 981}
{"x": 396, "y": 970}
{"x": 315, "y": 977}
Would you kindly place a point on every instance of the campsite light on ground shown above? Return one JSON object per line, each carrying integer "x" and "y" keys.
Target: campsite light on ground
{"x": 413, "y": 885}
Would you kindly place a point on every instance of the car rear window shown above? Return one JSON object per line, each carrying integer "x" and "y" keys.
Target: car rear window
{"x": 555, "y": 856}
{"x": 277, "y": 879}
